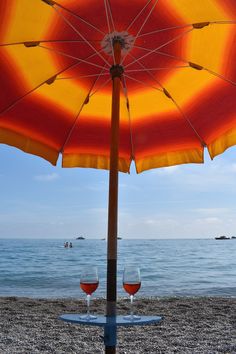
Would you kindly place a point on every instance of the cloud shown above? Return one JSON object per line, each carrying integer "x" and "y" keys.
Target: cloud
{"x": 233, "y": 167}
{"x": 98, "y": 187}
{"x": 47, "y": 178}
{"x": 212, "y": 220}
{"x": 166, "y": 170}
{"x": 210, "y": 211}
{"x": 129, "y": 186}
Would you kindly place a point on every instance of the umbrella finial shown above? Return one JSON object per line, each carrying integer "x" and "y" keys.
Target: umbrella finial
{"x": 125, "y": 40}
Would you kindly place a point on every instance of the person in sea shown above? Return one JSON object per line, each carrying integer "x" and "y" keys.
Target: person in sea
{"x": 70, "y": 245}
{"x": 66, "y": 245}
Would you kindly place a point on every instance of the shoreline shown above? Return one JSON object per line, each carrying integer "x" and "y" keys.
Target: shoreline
{"x": 191, "y": 325}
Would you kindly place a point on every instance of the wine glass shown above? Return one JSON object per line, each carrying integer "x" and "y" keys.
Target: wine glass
{"x": 131, "y": 284}
{"x": 89, "y": 282}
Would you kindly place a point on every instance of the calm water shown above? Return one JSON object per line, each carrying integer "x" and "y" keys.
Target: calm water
{"x": 44, "y": 268}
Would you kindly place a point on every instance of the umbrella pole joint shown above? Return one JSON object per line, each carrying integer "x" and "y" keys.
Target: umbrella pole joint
{"x": 116, "y": 71}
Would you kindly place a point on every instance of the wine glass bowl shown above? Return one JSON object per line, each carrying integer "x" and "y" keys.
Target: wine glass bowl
{"x": 89, "y": 288}
{"x": 89, "y": 282}
{"x": 131, "y": 288}
{"x": 131, "y": 284}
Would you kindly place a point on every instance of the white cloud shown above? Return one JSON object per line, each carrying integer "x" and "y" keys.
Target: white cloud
{"x": 166, "y": 170}
{"x": 233, "y": 167}
{"x": 47, "y": 178}
{"x": 212, "y": 220}
{"x": 210, "y": 211}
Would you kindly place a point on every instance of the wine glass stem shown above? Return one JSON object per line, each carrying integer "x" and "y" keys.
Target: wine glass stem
{"x": 131, "y": 306}
{"x": 88, "y": 304}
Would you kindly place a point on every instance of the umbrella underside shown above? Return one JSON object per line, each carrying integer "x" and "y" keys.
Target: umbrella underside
{"x": 177, "y": 90}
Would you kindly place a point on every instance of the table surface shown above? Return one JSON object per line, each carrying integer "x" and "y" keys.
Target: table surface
{"x": 103, "y": 321}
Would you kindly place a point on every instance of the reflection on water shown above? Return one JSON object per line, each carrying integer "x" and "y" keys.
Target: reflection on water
{"x": 44, "y": 268}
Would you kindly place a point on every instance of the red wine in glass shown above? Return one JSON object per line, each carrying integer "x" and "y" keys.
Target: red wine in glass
{"x": 131, "y": 284}
{"x": 131, "y": 288}
{"x": 89, "y": 282}
{"x": 89, "y": 288}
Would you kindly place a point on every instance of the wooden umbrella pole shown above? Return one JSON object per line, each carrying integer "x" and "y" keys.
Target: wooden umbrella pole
{"x": 116, "y": 72}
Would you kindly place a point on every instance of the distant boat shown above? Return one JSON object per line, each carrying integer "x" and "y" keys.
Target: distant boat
{"x": 222, "y": 238}
{"x": 80, "y": 238}
{"x": 233, "y": 237}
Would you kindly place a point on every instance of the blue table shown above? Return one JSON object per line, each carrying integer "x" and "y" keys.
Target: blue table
{"x": 110, "y": 324}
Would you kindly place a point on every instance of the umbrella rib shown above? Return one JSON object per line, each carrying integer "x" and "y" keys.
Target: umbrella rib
{"x": 220, "y": 76}
{"x": 141, "y": 82}
{"x": 159, "y": 47}
{"x": 111, "y": 15}
{"x": 72, "y": 57}
{"x": 78, "y": 17}
{"x": 202, "y": 67}
{"x": 77, "y": 116}
{"x": 187, "y": 66}
{"x": 157, "y": 69}
{"x": 147, "y": 71}
{"x": 80, "y": 77}
{"x": 109, "y": 31}
{"x": 80, "y": 34}
{"x": 169, "y": 96}
{"x": 184, "y": 26}
{"x": 226, "y": 22}
{"x": 35, "y": 88}
{"x": 129, "y": 115}
{"x": 163, "y": 30}
{"x": 100, "y": 87}
{"x": 140, "y": 29}
{"x": 137, "y": 16}
{"x": 157, "y": 51}
{"x": 203, "y": 143}
{"x": 50, "y": 41}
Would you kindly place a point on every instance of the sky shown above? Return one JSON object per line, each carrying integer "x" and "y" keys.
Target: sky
{"x": 39, "y": 200}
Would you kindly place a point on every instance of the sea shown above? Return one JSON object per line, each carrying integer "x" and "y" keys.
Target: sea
{"x": 43, "y": 268}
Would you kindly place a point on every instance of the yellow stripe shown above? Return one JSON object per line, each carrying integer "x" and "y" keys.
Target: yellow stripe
{"x": 28, "y": 145}
{"x": 34, "y": 64}
{"x": 183, "y": 85}
{"x": 65, "y": 94}
{"x": 149, "y": 102}
{"x": 206, "y": 47}
{"x": 219, "y": 145}
{"x": 29, "y": 20}
{"x": 99, "y": 107}
{"x": 93, "y": 161}
{"x": 169, "y": 159}
{"x": 188, "y": 83}
{"x": 194, "y": 11}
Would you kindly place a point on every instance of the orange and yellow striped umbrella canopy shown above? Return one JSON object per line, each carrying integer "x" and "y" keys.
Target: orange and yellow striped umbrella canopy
{"x": 178, "y": 85}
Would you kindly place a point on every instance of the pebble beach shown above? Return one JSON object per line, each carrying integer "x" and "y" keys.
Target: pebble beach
{"x": 203, "y": 325}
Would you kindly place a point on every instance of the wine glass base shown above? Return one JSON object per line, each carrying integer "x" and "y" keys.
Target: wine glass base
{"x": 132, "y": 318}
{"x": 87, "y": 317}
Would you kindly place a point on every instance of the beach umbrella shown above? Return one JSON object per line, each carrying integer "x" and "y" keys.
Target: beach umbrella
{"x": 108, "y": 82}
